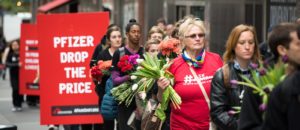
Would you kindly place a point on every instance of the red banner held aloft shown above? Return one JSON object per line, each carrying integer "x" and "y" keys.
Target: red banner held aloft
{"x": 66, "y": 45}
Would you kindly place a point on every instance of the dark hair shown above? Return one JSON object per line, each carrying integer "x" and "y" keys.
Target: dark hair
{"x": 112, "y": 25}
{"x": 130, "y": 24}
{"x": 280, "y": 35}
{"x": 161, "y": 20}
{"x": 10, "y": 44}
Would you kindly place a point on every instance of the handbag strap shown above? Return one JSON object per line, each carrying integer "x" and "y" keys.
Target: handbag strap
{"x": 201, "y": 86}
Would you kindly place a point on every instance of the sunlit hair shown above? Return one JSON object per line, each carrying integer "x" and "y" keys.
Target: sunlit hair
{"x": 174, "y": 33}
{"x": 187, "y": 25}
{"x": 155, "y": 29}
{"x": 149, "y": 43}
{"x": 232, "y": 41}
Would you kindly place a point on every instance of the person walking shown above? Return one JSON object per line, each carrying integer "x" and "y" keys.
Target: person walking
{"x": 193, "y": 72}
{"x": 13, "y": 63}
{"x": 241, "y": 50}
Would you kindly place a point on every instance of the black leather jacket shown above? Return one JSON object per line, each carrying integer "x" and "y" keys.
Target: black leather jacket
{"x": 223, "y": 98}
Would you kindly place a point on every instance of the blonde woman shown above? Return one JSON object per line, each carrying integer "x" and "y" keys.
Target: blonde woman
{"x": 194, "y": 64}
{"x": 156, "y": 33}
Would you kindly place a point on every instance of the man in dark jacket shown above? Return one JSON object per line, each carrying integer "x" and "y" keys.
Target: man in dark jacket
{"x": 283, "y": 109}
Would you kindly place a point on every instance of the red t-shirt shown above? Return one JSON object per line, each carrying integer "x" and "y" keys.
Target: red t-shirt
{"x": 194, "y": 112}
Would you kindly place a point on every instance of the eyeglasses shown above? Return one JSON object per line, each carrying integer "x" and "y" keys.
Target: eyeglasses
{"x": 193, "y": 36}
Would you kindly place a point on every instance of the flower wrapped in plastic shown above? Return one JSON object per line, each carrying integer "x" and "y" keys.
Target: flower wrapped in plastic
{"x": 99, "y": 70}
{"x": 264, "y": 80}
{"x": 150, "y": 70}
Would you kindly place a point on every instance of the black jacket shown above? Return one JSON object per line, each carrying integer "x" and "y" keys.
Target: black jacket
{"x": 224, "y": 97}
{"x": 251, "y": 116}
{"x": 12, "y": 62}
{"x": 283, "y": 110}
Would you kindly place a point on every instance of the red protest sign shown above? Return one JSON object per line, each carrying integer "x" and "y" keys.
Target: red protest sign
{"x": 29, "y": 57}
{"x": 67, "y": 42}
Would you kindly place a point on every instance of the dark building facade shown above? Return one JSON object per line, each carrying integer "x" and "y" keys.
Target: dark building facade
{"x": 220, "y": 16}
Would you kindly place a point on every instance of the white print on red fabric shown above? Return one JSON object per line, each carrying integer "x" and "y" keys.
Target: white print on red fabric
{"x": 191, "y": 80}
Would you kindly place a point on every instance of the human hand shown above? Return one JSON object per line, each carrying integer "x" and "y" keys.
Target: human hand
{"x": 163, "y": 82}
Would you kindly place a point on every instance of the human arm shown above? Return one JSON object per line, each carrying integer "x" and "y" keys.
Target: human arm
{"x": 117, "y": 77}
{"x": 96, "y": 52}
{"x": 219, "y": 102}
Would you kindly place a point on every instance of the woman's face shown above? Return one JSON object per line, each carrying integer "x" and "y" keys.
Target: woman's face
{"x": 153, "y": 49}
{"x": 244, "y": 48}
{"x": 15, "y": 46}
{"x": 157, "y": 36}
{"x": 115, "y": 39}
{"x": 134, "y": 34}
{"x": 194, "y": 39}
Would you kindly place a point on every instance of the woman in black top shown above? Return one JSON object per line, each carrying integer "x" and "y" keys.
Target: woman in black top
{"x": 133, "y": 33}
{"x": 12, "y": 62}
{"x": 114, "y": 40}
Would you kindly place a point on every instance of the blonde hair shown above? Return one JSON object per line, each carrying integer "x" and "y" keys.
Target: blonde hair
{"x": 149, "y": 43}
{"x": 232, "y": 41}
{"x": 187, "y": 24}
{"x": 156, "y": 29}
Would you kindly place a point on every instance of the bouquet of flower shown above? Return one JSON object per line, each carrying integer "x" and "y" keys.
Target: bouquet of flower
{"x": 128, "y": 63}
{"x": 102, "y": 68}
{"x": 149, "y": 71}
{"x": 170, "y": 48}
{"x": 123, "y": 92}
{"x": 264, "y": 80}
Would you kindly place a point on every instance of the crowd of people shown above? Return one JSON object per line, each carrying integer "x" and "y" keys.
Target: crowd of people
{"x": 202, "y": 78}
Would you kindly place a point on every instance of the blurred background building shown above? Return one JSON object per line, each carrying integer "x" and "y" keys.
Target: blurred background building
{"x": 220, "y": 16}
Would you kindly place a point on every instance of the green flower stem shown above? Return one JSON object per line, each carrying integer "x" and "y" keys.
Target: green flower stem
{"x": 251, "y": 86}
{"x": 168, "y": 95}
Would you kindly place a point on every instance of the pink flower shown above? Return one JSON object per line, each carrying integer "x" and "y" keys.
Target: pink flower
{"x": 262, "y": 107}
{"x": 231, "y": 112}
{"x": 233, "y": 83}
{"x": 132, "y": 59}
{"x": 253, "y": 65}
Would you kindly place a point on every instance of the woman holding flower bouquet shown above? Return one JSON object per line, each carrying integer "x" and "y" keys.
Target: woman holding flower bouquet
{"x": 195, "y": 64}
{"x": 241, "y": 51}
{"x": 114, "y": 41}
{"x": 122, "y": 68}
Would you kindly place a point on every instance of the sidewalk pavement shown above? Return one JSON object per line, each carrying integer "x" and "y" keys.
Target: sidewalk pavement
{"x": 28, "y": 119}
